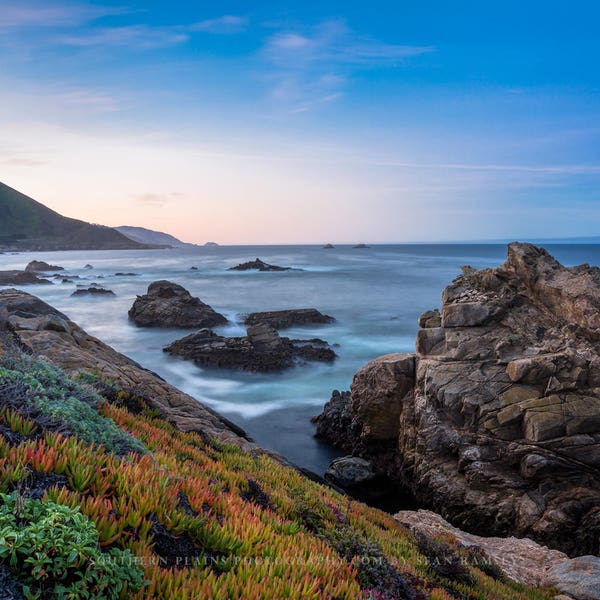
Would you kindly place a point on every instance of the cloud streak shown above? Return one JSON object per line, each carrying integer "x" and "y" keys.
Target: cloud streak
{"x": 312, "y": 66}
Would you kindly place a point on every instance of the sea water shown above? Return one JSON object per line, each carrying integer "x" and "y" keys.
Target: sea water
{"x": 375, "y": 295}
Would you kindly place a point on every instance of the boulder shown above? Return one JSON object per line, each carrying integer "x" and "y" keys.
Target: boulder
{"x": 579, "y": 577}
{"x": 282, "y": 319}
{"x": 168, "y": 304}
{"x": 261, "y": 350}
{"x": 42, "y": 267}
{"x": 495, "y": 421}
{"x": 350, "y": 471}
{"x": 259, "y": 265}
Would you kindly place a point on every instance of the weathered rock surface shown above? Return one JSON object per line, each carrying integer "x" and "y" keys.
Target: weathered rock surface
{"x": 49, "y": 333}
{"x": 495, "y": 421}
{"x": 259, "y": 265}
{"x": 168, "y": 304}
{"x": 281, "y": 319}
{"x": 42, "y": 267}
{"x": 261, "y": 350}
{"x": 21, "y": 278}
{"x": 93, "y": 291}
{"x": 521, "y": 559}
{"x": 350, "y": 471}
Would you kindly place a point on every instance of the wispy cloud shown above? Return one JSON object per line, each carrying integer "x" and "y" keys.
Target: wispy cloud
{"x": 311, "y": 66}
{"x": 14, "y": 15}
{"x": 222, "y": 25}
{"x": 140, "y": 36}
{"x": 143, "y": 36}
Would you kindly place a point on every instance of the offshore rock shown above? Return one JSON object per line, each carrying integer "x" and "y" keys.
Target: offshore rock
{"x": 494, "y": 422}
{"x": 21, "y": 278}
{"x": 259, "y": 265}
{"x": 261, "y": 350}
{"x": 42, "y": 267}
{"x": 168, "y": 304}
{"x": 48, "y": 333}
{"x": 282, "y": 319}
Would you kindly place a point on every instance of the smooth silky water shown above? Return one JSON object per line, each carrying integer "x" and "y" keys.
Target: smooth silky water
{"x": 375, "y": 294}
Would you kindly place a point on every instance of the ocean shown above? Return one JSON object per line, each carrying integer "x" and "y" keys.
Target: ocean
{"x": 375, "y": 294}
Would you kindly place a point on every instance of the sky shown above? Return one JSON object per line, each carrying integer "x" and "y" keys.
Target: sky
{"x": 306, "y": 122}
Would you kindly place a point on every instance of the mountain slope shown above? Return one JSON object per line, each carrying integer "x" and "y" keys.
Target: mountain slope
{"x": 149, "y": 236}
{"x": 29, "y": 225}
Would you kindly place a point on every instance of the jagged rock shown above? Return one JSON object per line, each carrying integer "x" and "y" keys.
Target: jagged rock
{"x": 168, "y": 304}
{"x": 498, "y": 428}
{"x": 281, "y": 319}
{"x": 430, "y": 318}
{"x": 259, "y": 265}
{"x": 21, "y": 278}
{"x": 335, "y": 421}
{"x": 88, "y": 266}
{"x": 65, "y": 344}
{"x": 93, "y": 291}
{"x": 42, "y": 267}
{"x": 262, "y": 350}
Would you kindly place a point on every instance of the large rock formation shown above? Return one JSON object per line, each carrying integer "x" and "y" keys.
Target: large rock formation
{"x": 49, "y": 333}
{"x": 495, "y": 421}
{"x": 261, "y": 350}
{"x": 282, "y": 319}
{"x": 168, "y": 304}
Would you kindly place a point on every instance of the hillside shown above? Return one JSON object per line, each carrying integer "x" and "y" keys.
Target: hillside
{"x": 28, "y": 225}
{"x": 111, "y": 477}
{"x": 149, "y": 236}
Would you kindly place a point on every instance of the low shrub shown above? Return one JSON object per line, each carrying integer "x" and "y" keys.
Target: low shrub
{"x": 53, "y": 551}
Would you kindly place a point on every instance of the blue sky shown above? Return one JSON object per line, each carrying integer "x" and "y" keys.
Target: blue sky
{"x": 306, "y": 122}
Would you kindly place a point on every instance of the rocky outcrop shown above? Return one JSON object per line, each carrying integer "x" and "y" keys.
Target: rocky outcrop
{"x": 282, "y": 319}
{"x": 168, "y": 304}
{"x": 21, "y": 278}
{"x": 328, "y": 247}
{"x": 261, "y": 350}
{"x": 42, "y": 267}
{"x": 93, "y": 291}
{"x": 495, "y": 421}
{"x": 50, "y": 334}
{"x": 259, "y": 265}
{"x": 520, "y": 559}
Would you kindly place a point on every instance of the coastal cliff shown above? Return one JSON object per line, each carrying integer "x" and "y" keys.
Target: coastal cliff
{"x": 494, "y": 422}
{"x": 124, "y": 487}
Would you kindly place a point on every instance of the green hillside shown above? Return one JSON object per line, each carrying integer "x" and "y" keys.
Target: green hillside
{"x": 28, "y": 225}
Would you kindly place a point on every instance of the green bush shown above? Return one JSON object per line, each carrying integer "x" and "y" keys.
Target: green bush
{"x": 53, "y": 551}
{"x": 58, "y": 403}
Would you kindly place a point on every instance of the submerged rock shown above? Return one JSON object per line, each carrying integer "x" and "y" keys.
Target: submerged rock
{"x": 495, "y": 421}
{"x": 42, "y": 267}
{"x": 168, "y": 304}
{"x": 281, "y": 319}
{"x": 261, "y": 350}
{"x": 259, "y": 265}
